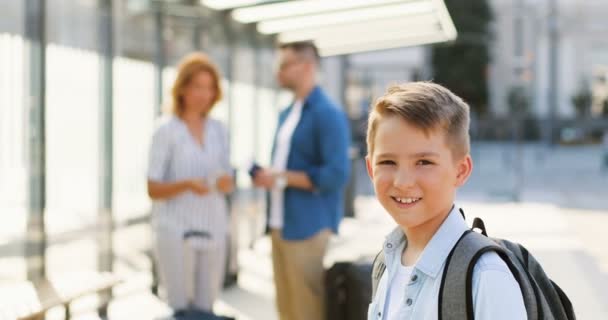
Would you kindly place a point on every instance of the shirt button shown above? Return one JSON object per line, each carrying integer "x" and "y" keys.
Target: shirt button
{"x": 408, "y": 302}
{"x": 389, "y": 245}
{"x": 379, "y": 314}
{"x": 414, "y": 278}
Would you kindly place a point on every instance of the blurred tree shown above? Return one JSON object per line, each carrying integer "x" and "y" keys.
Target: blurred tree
{"x": 605, "y": 108}
{"x": 462, "y": 65}
{"x": 582, "y": 100}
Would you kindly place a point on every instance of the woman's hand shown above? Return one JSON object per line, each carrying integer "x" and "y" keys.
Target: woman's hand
{"x": 198, "y": 186}
{"x": 225, "y": 183}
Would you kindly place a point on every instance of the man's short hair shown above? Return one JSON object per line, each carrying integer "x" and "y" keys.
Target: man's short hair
{"x": 305, "y": 49}
{"x": 427, "y": 106}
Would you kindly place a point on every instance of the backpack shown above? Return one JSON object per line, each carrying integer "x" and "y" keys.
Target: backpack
{"x": 543, "y": 298}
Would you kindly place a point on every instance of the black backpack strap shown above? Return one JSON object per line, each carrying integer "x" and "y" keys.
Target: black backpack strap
{"x": 478, "y": 224}
{"x": 456, "y": 292}
{"x": 377, "y": 271}
{"x": 568, "y": 308}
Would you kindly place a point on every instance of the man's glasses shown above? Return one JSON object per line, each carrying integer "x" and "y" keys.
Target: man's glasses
{"x": 287, "y": 64}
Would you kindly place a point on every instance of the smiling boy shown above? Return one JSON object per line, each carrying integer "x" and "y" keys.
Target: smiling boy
{"x": 418, "y": 156}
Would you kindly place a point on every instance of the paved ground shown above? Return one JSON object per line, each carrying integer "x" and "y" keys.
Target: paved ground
{"x": 551, "y": 200}
{"x": 567, "y": 242}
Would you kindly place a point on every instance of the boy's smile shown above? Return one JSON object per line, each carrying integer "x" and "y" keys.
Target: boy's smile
{"x": 414, "y": 173}
{"x": 406, "y": 202}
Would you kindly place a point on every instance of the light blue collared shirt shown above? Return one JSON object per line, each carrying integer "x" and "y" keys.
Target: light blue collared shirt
{"x": 496, "y": 293}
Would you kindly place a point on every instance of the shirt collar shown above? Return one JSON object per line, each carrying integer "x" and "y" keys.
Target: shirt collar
{"x": 436, "y": 251}
{"x": 313, "y": 96}
{"x": 297, "y": 105}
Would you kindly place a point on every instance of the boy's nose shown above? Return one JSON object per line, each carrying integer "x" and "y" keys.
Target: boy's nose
{"x": 403, "y": 179}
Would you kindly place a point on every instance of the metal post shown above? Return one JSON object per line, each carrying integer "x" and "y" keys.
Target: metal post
{"x": 256, "y": 195}
{"x": 519, "y": 116}
{"x": 197, "y": 33}
{"x": 231, "y": 40}
{"x": 160, "y": 54}
{"x": 257, "y": 71}
{"x": 35, "y": 33}
{"x": 553, "y": 71}
{"x": 105, "y": 215}
{"x": 353, "y": 151}
{"x": 344, "y": 67}
{"x": 106, "y": 31}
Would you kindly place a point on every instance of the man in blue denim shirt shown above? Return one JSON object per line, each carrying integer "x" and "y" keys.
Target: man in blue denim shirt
{"x": 418, "y": 144}
{"x": 310, "y": 168}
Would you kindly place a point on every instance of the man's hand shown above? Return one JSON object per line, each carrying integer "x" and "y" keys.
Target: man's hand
{"x": 264, "y": 178}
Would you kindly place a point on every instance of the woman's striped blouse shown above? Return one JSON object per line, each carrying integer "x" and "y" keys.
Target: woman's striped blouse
{"x": 175, "y": 155}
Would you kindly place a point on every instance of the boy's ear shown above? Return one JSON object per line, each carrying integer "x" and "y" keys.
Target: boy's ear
{"x": 368, "y": 165}
{"x": 464, "y": 169}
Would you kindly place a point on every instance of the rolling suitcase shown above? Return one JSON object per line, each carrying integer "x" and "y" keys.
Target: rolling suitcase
{"x": 192, "y": 313}
{"x": 348, "y": 290}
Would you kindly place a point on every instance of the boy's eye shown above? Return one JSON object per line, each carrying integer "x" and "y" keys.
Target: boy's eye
{"x": 423, "y": 163}
{"x": 386, "y": 162}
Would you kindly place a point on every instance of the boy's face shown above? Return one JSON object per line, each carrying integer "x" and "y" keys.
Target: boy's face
{"x": 415, "y": 175}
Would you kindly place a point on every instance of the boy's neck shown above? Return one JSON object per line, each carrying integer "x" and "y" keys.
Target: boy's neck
{"x": 419, "y": 237}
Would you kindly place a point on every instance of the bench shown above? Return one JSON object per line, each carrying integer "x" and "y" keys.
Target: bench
{"x": 30, "y": 301}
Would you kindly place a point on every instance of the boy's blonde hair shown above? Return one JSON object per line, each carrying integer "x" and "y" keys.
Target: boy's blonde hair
{"x": 427, "y": 106}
